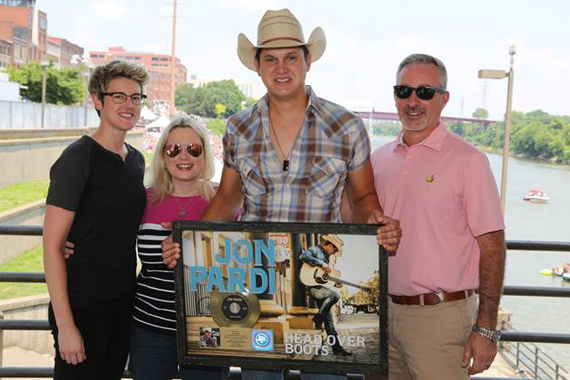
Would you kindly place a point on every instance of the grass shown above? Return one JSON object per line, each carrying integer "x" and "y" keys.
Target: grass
{"x": 21, "y": 193}
{"x": 31, "y": 261}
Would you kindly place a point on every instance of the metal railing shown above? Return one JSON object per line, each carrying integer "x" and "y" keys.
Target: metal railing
{"x": 530, "y": 360}
{"x": 235, "y": 373}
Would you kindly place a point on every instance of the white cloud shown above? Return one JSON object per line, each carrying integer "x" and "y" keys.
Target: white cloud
{"x": 109, "y": 9}
{"x": 249, "y": 5}
{"x": 167, "y": 10}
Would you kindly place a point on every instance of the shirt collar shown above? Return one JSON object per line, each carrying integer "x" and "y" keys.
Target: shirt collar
{"x": 262, "y": 106}
{"x": 434, "y": 140}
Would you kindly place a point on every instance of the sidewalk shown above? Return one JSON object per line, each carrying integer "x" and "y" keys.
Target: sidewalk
{"x": 19, "y": 357}
{"x": 499, "y": 368}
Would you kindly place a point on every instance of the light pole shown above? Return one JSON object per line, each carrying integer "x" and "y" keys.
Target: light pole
{"x": 173, "y": 64}
{"x": 86, "y": 75}
{"x": 500, "y": 74}
{"x": 44, "y": 78}
{"x": 76, "y": 59}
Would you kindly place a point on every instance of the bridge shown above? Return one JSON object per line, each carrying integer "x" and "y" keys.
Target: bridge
{"x": 393, "y": 116}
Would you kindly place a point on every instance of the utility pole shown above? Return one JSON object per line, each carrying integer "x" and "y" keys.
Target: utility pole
{"x": 173, "y": 62}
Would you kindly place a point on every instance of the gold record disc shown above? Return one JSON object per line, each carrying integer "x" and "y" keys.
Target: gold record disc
{"x": 235, "y": 309}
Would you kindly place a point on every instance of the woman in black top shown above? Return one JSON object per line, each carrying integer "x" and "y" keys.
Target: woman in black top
{"x": 96, "y": 200}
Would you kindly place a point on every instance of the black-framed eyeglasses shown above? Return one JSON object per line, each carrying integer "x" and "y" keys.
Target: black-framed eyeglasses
{"x": 422, "y": 92}
{"x": 173, "y": 150}
{"x": 121, "y": 97}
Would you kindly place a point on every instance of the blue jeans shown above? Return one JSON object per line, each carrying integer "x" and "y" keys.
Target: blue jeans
{"x": 326, "y": 298}
{"x": 154, "y": 357}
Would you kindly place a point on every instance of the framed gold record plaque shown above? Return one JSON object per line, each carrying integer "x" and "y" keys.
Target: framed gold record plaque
{"x": 282, "y": 296}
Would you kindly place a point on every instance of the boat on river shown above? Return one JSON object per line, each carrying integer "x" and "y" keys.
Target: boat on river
{"x": 535, "y": 195}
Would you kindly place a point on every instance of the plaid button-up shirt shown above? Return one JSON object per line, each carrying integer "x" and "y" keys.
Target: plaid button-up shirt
{"x": 332, "y": 142}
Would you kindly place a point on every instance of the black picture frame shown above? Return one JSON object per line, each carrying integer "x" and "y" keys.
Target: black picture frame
{"x": 204, "y": 300}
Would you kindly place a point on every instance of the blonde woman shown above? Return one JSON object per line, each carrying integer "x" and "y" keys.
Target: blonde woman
{"x": 95, "y": 200}
{"x": 180, "y": 188}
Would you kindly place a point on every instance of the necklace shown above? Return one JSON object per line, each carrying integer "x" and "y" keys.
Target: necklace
{"x": 285, "y": 158}
{"x": 181, "y": 211}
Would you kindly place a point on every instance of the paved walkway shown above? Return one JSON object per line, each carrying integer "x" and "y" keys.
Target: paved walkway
{"x": 19, "y": 357}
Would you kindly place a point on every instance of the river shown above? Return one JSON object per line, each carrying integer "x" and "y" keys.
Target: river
{"x": 534, "y": 221}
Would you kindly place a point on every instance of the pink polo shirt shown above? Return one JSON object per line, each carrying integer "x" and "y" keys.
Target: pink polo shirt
{"x": 443, "y": 192}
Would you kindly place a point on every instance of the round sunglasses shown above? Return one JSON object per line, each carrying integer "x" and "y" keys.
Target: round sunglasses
{"x": 173, "y": 150}
{"x": 422, "y": 92}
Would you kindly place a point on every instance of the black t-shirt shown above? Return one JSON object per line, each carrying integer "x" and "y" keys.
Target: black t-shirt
{"x": 108, "y": 198}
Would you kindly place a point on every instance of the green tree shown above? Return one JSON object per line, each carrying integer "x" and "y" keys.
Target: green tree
{"x": 223, "y": 92}
{"x": 64, "y": 86}
{"x": 220, "y": 109}
{"x": 190, "y": 99}
{"x": 249, "y": 101}
{"x": 481, "y": 113}
{"x": 218, "y": 126}
{"x": 202, "y": 100}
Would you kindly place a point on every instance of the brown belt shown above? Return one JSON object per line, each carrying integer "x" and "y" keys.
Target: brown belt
{"x": 432, "y": 298}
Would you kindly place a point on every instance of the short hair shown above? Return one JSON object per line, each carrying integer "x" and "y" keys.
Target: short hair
{"x": 303, "y": 47}
{"x": 103, "y": 75}
{"x": 160, "y": 180}
{"x": 426, "y": 60}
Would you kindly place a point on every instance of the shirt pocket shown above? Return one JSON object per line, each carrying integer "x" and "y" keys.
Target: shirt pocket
{"x": 253, "y": 183}
{"x": 325, "y": 176}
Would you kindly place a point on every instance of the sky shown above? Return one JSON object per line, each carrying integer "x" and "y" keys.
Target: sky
{"x": 366, "y": 40}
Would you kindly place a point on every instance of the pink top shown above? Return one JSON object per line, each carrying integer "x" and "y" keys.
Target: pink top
{"x": 443, "y": 192}
{"x": 168, "y": 210}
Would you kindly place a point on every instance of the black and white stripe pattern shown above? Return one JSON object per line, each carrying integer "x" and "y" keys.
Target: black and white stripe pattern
{"x": 154, "y": 301}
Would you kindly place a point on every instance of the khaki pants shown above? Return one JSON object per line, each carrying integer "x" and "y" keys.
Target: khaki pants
{"x": 427, "y": 342}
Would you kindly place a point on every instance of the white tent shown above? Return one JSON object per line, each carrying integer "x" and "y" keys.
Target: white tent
{"x": 147, "y": 114}
{"x": 161, "y": 122}
{"x": 218, "y": 173}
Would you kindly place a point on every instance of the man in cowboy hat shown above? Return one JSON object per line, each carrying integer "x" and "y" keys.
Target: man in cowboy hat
{"x": 289, "y": 156}
{"x": 207, "y": 339}
{"x": 326, "y": 297}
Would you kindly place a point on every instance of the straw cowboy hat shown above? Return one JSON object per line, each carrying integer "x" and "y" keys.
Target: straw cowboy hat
{"x": 280, "y": 29}
{"x": 334, "y": 240}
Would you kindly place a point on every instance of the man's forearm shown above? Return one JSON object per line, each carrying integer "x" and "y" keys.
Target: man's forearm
{"x": 222, "y": 208}
{"x": 491, "y": 274}
{"x": 364, "y": 206}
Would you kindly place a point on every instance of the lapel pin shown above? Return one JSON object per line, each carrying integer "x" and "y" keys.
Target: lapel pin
{"x": 430, "y": 178}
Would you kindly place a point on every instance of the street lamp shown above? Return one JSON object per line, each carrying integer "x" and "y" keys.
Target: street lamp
{"x": 86, "y": 76}
{"x": 500, "y": 74}
{"x": 77, "y": 59}
{"x": 44, "y": 77}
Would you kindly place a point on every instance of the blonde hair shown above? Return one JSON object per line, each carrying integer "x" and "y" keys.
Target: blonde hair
{"x": 161, "y": 180}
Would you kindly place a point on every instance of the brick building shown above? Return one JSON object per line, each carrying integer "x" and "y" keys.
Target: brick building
{"x": 61, "y": 52}
{"x": 157, "y": 65}
{"x": 23, "y": 32}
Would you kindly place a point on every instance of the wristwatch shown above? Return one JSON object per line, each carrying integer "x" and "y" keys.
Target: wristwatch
{"x": 492, "y": 335}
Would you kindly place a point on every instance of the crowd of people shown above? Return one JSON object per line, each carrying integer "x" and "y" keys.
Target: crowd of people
{"x": 431, "y": 193}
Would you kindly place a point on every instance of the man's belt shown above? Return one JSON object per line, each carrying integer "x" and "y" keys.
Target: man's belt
{"x": 432, "y": 298}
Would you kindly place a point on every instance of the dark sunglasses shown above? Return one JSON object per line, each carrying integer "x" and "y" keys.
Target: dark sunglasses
{"x": 422, "y": 92}
{"x": 173, "y": 150}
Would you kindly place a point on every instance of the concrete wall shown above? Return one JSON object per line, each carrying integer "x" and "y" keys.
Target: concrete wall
{"x": 27, "y": 159}
{"x": 28, "y": 115}
{"x": 32, "y": 307}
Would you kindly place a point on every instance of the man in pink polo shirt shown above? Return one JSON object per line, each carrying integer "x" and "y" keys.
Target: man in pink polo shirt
{"x": 442, "y": 190}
